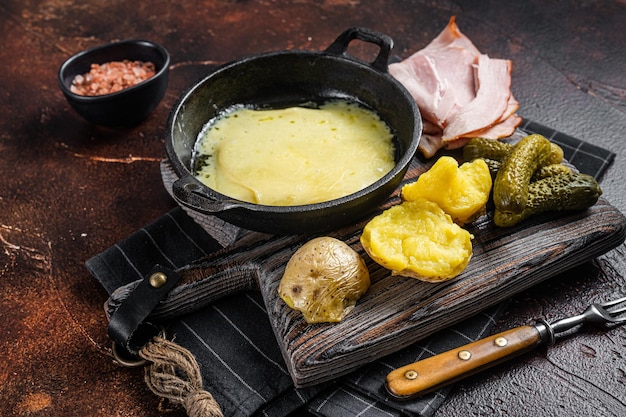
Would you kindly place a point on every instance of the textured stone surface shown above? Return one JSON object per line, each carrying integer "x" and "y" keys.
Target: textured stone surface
{"x": 70, "y": 190}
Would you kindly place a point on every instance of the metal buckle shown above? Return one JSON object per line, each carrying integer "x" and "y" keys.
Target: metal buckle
{"x": 125, "y": 358}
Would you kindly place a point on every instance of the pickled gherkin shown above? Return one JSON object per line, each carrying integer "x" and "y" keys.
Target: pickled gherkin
{"x": 562, "y": 192}
{"x": 495, "y": 150}
{"x": 510, "y": 189}
{"x": 529, "y": 178}
{"x": 550, "y": 171}
{"x": 491, "y": 149}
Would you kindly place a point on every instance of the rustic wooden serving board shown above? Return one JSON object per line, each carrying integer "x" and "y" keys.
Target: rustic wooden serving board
{"x": 396, "y": 311}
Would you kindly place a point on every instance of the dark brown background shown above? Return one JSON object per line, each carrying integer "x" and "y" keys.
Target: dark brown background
{"x": 70, "y": 190}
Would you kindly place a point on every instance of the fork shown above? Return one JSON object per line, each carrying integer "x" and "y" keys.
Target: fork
{"x": 437, "y": 371}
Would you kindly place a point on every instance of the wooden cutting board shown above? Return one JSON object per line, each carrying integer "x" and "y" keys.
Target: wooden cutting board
{"x": 396, "y": 311}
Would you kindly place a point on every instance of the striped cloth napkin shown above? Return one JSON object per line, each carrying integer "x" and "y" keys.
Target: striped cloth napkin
{"x": 232, "y": 340}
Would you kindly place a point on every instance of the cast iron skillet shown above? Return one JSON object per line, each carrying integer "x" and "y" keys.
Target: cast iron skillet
{"x": 287, "y": 78}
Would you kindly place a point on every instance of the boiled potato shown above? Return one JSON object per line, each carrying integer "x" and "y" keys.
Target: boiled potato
{"x": 419, "y": 240}
{"x": 324, "y": 279}
{"x": 461, "y": 191}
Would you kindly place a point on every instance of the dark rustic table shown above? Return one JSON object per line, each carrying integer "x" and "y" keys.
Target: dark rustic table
{"x": 70, "y": 189}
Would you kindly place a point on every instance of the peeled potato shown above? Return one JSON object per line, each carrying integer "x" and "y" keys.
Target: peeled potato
{"x": 461, "y": 191}
{"x": 419, "y": 240}
{"x": 324, "y": 279}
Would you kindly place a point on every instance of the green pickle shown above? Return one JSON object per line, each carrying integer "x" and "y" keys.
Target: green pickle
{"x": 550, "y": 171}
{"x": 493, "y": 166}
{"x": 561, "y": 192}
{"x": 555, "y": 156}
{"x": 529, "y": 178}
{"x": 486, "y": 148}
{"x": 510, "y": 189}
{"x": 496, "y": 150}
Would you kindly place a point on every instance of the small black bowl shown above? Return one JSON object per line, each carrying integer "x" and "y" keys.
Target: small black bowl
{"x": 123, "y": 108}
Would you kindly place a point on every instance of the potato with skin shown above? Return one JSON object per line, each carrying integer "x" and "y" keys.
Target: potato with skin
{"x": 324, "y": 279}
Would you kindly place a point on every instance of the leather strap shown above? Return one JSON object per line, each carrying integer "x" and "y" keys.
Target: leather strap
{"x": 128, "y": 327}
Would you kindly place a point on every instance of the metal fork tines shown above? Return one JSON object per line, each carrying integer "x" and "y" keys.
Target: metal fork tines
{"x": 595, "y": 313}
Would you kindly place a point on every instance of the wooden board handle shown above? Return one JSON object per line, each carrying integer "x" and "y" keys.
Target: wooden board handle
{"x": 437, "y": 371}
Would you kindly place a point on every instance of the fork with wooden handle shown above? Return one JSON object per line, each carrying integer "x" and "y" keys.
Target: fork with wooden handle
{"x": 437, "y": 371}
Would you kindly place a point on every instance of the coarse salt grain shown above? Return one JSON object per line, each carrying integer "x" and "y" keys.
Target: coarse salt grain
{"x": 111, "y": 76}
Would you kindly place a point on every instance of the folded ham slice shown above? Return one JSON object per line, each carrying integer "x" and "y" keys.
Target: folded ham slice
{"x": 493, "y": 90}
{"x": 440, "y": 77}
{"x": 460, "y": 92}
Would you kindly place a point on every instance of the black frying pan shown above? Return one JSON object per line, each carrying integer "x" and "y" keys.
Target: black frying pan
{"x": 285, "y": 78}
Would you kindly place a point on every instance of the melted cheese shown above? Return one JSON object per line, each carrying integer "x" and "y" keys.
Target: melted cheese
{"x": 296, "y": 155}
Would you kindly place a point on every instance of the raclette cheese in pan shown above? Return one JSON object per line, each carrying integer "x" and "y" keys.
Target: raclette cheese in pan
{"x": 295, "y": 155}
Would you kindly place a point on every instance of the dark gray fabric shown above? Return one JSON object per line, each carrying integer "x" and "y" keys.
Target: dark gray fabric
{"x": 240, "y": 361}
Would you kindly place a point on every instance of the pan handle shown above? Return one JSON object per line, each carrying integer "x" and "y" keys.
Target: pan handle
{"x": 191, "y": 193}
{"x": 340, "y": 45}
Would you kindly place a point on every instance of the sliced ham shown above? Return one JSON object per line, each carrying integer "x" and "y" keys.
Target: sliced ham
{"x": 503, "y": 129}
{"x": 440, "y": 77}
{"x": 430, "y": 144}
{"x": 430, "y": 128}
{"x": 493, "y": 83}
{"x": 460, "y": 92}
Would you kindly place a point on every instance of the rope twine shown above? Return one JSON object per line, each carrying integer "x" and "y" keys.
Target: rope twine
{"x": 174, "y": 373}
